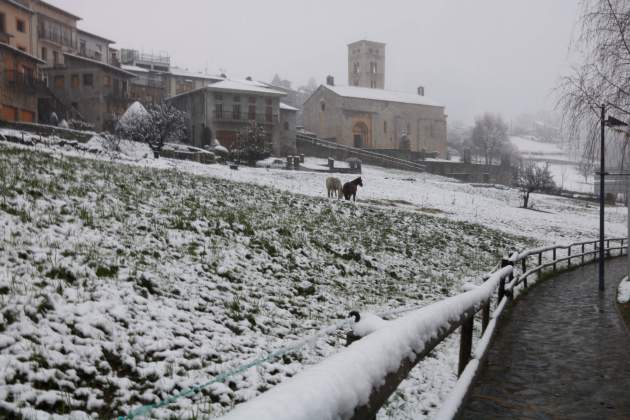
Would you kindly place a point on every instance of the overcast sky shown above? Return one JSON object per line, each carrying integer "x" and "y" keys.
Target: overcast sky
{"x": 472, "y": 56}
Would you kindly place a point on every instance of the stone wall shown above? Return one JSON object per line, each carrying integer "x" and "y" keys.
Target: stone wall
{"x": 50, "y": 130}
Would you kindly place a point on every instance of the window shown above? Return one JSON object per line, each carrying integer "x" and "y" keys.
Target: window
{"x": 269, "y": 114}
{"x": 3, "y": 28}
{"x": 251, "y": 113}
{"x": 82, "y": 47}
{"x": 252, "y": 100}
{"x": 384, "y": 126}
{"x": 74, "y": 81}
{"x": 55, "y": 57}
{"x": 237, "y": 98}
{"x": 219, "y": 110}
{"x": 75, "y": 105}
{"x": 268, "y": 101}
{"x": 21, "y": 26}
{"x": 373, "y": 68}
{"x": 44, "y": 54}
{"x": 88, "y": 80}
{"x": 107, "y": 81}
{"x": 218, "y": 96}
{"x": 356, "y": 68}
{"x": 286, "y": 126}
{"x": 236, "y": 111}
{"x": 322, "y": 106}
{"x": 60, "y": 82}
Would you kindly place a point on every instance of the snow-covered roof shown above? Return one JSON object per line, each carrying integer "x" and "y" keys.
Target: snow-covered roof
{"x": 100, "y": 63}
{"x": 178, "y": 71}
{"x": 286, "y": 107}
{"x": 244, "y": 86}
{"x": 23, "y": 53}
{"x": 381, "y": 95}
{"x": 134, "y": 69}
{"x": 95, "y": 36}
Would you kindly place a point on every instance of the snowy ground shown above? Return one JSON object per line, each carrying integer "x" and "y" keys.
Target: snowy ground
{"x": 127, "y": 279}
{"x": 563, "y": 168}
{"x": 623, "y": 295}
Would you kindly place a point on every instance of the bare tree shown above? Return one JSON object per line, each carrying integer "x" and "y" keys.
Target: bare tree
{"x": 531, "y": 178}
{"x": 489, "y": 136}
{"x": 604, "y": 75}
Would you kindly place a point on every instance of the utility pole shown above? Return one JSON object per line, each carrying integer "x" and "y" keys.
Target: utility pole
{"x": 602, "y": 196}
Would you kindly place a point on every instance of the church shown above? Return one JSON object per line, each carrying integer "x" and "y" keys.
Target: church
{"x": 365, "y": 115}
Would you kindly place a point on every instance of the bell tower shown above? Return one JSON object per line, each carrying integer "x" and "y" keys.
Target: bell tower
{"x": 366, "y": 64}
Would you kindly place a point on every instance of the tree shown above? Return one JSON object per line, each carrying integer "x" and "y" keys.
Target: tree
{"x": 603, "y": 41}
{"x": 533, "y": 178}
{"x": 253, "y": 144}
{"x": 155, "y": 126}
{"x": 489, "y": 136}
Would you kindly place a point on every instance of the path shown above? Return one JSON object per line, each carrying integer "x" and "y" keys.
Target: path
{"x": 562, "y": 352}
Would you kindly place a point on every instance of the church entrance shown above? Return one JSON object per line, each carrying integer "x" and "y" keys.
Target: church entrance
{"x": 360, "y": 134}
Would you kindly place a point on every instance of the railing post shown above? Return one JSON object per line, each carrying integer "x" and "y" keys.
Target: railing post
{"x": 465, "y": 344}
{"x": 582, "y": 254}
{"x": 608, "y": 248}
{"x": 569, "y": 255}
{"x": 554, "y": 259}
{"x": 539, "y": 259}
{"x": 524, "y": 268}
{"x": 595, "y": 253}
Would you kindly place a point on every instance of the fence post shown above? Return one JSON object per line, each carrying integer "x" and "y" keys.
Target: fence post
{"x": 595, "y": 253}
{"x": 539, "y": 259}
{"x": 524, "y": 268}
{"x": 554, "y": 259}
{"x": 608, "y": 248}
{"x": 465, "y": 344}
{"x": 504, "y": 263}
{"x": 569, "y": 255}
{"x": 582, "y": 254}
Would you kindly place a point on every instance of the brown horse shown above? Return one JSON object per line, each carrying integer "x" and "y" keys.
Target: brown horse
{"x": 350, "y": 189}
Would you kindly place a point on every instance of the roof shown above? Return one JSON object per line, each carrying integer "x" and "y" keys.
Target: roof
{"x": 95, "y": 36}
{"x": 177, "y": 71}
{"x": 285, "y": 107}
{"x": 100, "y": 63}
{"x": 368, "y": 41}
{"x": 381, "y": 95}
{"x": 20, "y": 5}
{"x": 59, "y": 10}
{"x": 19, "y": 51}
{"x": 244, "y": 86}
{"x": 134, "y": 69}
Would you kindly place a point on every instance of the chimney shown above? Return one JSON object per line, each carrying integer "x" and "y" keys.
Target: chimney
{"x": 248, "y": 78}
{"x": 421, "y": 90}
{"x": 330, "y": 81}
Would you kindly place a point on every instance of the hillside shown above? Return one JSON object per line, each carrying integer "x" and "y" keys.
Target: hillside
{"x": 124, "y": 284}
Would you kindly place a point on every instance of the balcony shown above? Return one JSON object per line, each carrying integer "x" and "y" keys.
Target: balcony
{"x": 244, "y": 117}
{"x": 21, "y": 81}
{"x": 5, "y": 38}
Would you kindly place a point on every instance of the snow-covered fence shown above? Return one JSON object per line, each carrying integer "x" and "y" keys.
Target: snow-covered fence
{"x": 356, "y": 382}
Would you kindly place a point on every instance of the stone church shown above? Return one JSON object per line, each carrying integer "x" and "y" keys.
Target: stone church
{"x": 366, "y": 115}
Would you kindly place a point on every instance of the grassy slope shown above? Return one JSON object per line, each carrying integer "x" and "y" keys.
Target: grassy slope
{"x": 124, "y": 284}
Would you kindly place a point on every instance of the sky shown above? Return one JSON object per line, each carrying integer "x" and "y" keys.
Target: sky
{"x": 501, "y": 56}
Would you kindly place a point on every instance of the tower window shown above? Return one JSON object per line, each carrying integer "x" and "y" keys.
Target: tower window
{"x": 322, "y": 105}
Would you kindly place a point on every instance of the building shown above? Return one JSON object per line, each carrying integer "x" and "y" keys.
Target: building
{"x": 366, "y": 64}
{"x": 93, "y": 46}
{"x": 227, "y": 107}
{"x": 97, "y": 91}
{"x": 287, "y": 130}
{"x": 365, "y": 115}
{"x": 18, "y": 67}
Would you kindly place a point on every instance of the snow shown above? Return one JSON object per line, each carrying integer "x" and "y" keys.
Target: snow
{"x": 233, "y": 85}
{"x": 135, "y": 112}
{"x": 381, "y": 95}
{"x": 286, "y": 107}
{"x": 623, "y": 293}
{"x": 335, "y": 387}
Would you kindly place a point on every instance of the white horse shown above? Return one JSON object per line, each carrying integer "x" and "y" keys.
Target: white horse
{"x": 333, "y": 186}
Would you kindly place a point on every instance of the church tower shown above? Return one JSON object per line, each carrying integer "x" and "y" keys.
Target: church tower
{"x": 366, "y": 64}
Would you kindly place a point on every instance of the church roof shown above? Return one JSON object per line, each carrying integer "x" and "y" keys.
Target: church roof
{"x": 381, "y": 95}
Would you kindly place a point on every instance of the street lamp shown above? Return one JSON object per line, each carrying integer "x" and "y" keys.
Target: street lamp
{"x": 610, "y": 122}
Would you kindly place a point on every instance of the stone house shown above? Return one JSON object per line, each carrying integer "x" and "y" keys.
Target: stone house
{"x": 18, "y": 67}
{"x": 227, "y": 107}
{"x": 93, "y": 46}
{"x": 99, "y": 92}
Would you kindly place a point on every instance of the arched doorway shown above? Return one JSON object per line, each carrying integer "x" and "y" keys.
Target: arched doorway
{"x": 360, "y": 134}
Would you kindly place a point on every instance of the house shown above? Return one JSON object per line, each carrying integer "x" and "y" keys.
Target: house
{"x": 18, "y": 67}
{"x": 365, "y": 115}
{"x": 93, "y": 46}
{"x": 97, "y": 91}
{"x": 227, "y": 107}
{"x": 180, "y": 81}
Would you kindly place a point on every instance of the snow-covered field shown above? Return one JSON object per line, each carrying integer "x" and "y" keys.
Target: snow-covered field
{"x": 127, "y": 279}
{"x": 563, "y": 168}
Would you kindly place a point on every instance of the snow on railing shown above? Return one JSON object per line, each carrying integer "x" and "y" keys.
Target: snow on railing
{"x": 357, "y": 381}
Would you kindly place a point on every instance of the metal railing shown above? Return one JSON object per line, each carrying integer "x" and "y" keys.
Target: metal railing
{"x": 230, "y": 116}
{"x": 356, "y": 382}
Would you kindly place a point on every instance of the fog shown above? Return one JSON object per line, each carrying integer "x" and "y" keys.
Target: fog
{"x": 472, "y": 56}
